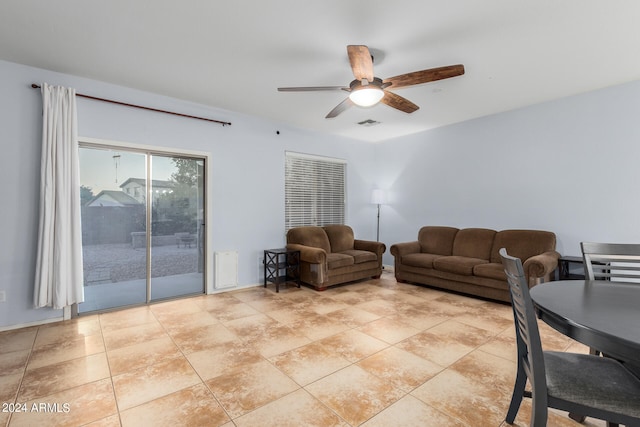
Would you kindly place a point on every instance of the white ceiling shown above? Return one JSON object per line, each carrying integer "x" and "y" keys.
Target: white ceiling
{"x": 233, "y": 54}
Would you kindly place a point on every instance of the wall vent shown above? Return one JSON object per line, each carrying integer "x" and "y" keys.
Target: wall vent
{"x": 226, "y": 269}
{"x": 369, "y": 122}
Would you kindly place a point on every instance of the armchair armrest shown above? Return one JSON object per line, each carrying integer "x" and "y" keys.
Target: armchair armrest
{"x": 309, "y": 254}
{"x": 367, "y": 245}
{"x": 400, "y": 249}
{"x": 541, "y": 265}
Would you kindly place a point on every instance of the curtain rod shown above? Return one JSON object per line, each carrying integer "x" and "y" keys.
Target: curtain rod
{"x": 35, "y": 86}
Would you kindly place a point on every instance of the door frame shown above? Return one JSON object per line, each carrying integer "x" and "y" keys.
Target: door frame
{"x": 164, "y": 151}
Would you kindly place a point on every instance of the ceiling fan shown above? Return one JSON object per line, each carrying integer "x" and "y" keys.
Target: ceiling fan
{"x": 367, "y": 90}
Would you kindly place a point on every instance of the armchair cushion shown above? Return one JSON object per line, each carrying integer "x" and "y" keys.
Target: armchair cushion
{"x": 360, "y": 256}
{"x": 335, "y": 260}
{"x": 340, "y": 237}
{"x": 492, "y": 270}
{"x": 458, "y": 264}
{"x": 473, "y": 243}
{"x": 420, "y": 260}
{"x": 437, "y": 240}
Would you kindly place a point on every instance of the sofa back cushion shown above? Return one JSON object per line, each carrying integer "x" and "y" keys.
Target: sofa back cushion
{"x": 437, "y": 240}
{"x": 522, "y": 244}
{"x": 340, "y": 237}
{"x": 474, "y": 243}
{"x": 309, "y": 236}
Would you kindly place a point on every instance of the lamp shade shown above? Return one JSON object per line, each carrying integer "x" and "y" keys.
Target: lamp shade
{"x": 366, "y": 96}
{"x": 378, "y": 197}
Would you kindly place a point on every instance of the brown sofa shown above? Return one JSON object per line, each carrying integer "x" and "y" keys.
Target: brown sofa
{"x": 467, "y": 260}
{"x": 330, "y": 255}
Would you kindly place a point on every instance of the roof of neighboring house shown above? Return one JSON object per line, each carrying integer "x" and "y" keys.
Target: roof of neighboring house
{"x": 112, "y": 198}
{"x": 156, "y": 183}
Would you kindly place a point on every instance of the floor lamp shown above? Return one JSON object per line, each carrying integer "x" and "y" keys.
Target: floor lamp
{"x": 378, "y": 198}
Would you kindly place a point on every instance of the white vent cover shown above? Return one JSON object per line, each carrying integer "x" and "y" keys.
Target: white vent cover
{"x": 226, "y": 269}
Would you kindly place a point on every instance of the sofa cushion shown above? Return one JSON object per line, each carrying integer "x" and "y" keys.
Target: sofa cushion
{"x": 339, "y": 260}
{"x": 309, "y": 236}
{"x": 491, "y": 270}
{"x": 437, "y": 240}
{"x": 420, "y": 260}
{"x": 474, "y": 243}
{"x": 522, "y": 244}
{"x": 360, "y": 256}
{"x": 340, "y": 237}
{"x": 457, "y": 264}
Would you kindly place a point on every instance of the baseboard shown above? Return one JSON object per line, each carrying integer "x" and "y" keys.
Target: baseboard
{"x": 388, "y": 268}
{"x": 235, "y": 288}
{"x": 28, "y": 325}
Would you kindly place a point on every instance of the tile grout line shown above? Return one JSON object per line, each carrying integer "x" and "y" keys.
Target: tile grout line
{"x": 113, "y": 387}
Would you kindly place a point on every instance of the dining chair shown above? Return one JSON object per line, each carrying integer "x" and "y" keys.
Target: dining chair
{"x": 584, "y": 384}
{"x": 611, "y": 261}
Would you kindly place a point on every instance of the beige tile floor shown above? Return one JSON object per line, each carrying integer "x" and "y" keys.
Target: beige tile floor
{"x": 372, "y": 353}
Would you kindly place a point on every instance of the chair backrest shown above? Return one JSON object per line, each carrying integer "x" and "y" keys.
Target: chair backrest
{"x": 615, "y": 261}
{"x": 530, "y": 356}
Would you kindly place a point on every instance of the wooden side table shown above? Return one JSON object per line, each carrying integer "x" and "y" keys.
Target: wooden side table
{"x": 281, "y": 265}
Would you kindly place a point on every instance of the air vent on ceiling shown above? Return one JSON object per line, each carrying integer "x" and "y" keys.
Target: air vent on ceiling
{"x": 369, "y": 122}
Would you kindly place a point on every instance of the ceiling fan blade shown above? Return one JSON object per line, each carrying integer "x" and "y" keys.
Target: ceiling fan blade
{"x": 398, "y": 102}
{"x": 425, "y": 76}
{"x": 361, "y": 62}
{"x": 340, "y": 108}
{"x": 311, "y": 88}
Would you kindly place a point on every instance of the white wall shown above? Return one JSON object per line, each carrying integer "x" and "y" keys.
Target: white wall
{"x": 247, "y": 192}
{"x": 571, "y": 166}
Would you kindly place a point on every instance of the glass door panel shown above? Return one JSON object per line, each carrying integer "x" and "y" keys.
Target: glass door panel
{"x": 114, "y": 244}
{"x": 177, "y": 226}
{"x": 142, "y": 227}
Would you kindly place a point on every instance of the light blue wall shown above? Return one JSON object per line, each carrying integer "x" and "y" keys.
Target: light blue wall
{"x": 247, "y": 192}
{"x": 570, "y": 166}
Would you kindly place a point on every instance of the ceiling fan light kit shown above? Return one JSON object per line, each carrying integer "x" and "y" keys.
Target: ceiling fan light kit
{"x": 364, "y": 94}
{"x": 367, "y": 90}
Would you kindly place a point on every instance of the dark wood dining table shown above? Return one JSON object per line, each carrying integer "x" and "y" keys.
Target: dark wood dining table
{"x": 602, "y": 314}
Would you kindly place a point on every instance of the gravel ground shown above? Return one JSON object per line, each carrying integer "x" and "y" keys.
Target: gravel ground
{"x": 121, "y": 262}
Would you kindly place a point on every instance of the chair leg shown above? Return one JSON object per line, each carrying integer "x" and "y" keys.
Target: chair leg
{"x": 577, "y": 417}
{"x": 540, "y": 412}
{"x": 516, "y": 397}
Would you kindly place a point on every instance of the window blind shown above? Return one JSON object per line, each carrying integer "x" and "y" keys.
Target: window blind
{"x": 314, "y": 190}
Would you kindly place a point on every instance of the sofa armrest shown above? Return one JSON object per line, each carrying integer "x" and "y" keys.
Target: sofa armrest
{"x": 541, "y": 265}
{"x": 367, "y": 245}
{"x": 309, "y": 254}
{"x": 400, "y": 249}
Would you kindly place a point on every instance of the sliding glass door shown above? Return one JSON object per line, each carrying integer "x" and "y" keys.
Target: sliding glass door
{"x": 142, "y": 226}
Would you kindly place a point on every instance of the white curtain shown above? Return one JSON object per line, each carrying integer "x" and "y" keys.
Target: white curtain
{"x": 59, "y": 279}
